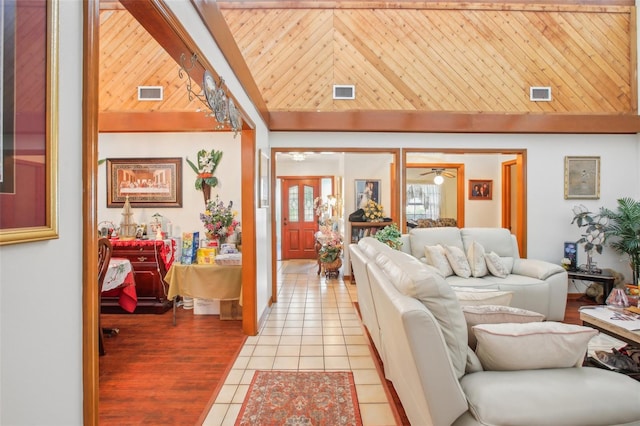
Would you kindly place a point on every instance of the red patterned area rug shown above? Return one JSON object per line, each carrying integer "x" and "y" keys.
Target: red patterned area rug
{"x": 301, "y": 398}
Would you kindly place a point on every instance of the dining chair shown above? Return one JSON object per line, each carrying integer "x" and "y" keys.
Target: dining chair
{"x": 104, "y": 255}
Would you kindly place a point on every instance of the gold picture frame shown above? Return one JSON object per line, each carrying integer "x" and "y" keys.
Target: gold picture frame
{"x": 28, "y": 157}
{"x": 581, "y": 178}
{"x": 148, "y": 182}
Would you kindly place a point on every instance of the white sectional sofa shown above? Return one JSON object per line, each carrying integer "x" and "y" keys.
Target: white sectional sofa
{"x": 419, "y": 330}
{"x": 536, "y": 285}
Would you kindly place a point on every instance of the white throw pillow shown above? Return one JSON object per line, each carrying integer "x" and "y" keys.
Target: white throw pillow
{"x": 495, "y": 314}
{"x": 458, "y": 261}
{"x": 531, "y": 345}
{"x": 477, "y": 296}
{"x": 435, "y": 257}
{"x": 495, "y": 265}
{"x": 475, "y": 256}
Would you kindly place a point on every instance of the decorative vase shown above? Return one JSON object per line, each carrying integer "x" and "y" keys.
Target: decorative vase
{"x": 332, "y": 268}
{"x": 206, "y": 192}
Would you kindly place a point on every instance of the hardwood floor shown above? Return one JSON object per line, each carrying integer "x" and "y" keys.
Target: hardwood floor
{"x": 156, "y": 374}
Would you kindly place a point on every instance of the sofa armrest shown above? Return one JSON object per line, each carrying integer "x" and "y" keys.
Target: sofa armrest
{"x": 534, "y": 268}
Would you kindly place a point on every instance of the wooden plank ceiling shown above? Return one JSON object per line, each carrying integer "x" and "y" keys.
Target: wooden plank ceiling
{"x": 411, "y": 57}
{"x": 471, "y": 58}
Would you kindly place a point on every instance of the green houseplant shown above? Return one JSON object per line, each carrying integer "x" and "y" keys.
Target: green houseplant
{"x": 390, "y": 235}
{"x": 624, "y": 227}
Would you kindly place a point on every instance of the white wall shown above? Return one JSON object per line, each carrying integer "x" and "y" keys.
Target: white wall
{"x": 183, "y": 145}
{"x": 549, "y": 215}
{"x": 41, "y": 282}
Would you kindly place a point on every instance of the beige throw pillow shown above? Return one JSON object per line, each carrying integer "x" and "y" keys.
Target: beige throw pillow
{"x": 477, "y": 296}
{"x": 531, "y": 345}
{"x": 475, "y": 256}
{"x": 495, "y": 314}
{"x": 458, "y": 261}
{"x": 495, "y": 265}
{"x": 435, "y": 257}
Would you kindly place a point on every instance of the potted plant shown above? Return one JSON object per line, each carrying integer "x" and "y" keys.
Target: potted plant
{"x": 594, "y": 234}
{"x": 624, "y": 227}
{"x": 390, "y": 235}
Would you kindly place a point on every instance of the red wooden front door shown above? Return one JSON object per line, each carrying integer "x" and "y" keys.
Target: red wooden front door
{"x": 299, "y": 223}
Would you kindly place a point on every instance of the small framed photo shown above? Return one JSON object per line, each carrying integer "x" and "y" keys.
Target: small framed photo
{"x": 148, "y": 182}
{"x": 367, "y": 189}
{"x": 581, "y": 178}
{"x": 480, "y": 189}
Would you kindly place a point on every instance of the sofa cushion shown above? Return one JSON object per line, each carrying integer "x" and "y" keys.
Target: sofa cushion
{"x": 414, "y": 279}
{"x": 559, "y": 397}
{"x": 458, "y": 261}
{"x": 495, "y": 314}
{"x": 476, "y": 296}
{"x": 420, "y": 237}
{"x": 436, "y": 257}
{"x": 533, "y": 345}
{"x": 499, "y": 240}
{"x": 475, "y": 256}
{"x": 536, "y": 268}
{"x": 495, "y": 265}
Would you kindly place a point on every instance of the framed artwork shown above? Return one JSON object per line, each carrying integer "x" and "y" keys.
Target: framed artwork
{"x": 148, "y": 182}
{"x": 29, "y": 122}
{"x": 480, "y": 189}
{"x": 581, "y": 178}
{"x": 367, "y": 189}
{"x": 265, "y": 180}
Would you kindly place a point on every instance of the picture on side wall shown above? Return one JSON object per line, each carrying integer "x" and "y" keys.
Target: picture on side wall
{"x": 480, "y": 189}
{"x": 367, "y": 189}
{"x": 148, "y": 182}
{"x": 581, "y": 178}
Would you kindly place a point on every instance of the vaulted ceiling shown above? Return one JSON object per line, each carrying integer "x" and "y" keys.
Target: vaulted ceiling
{"x": 420, "y": 62}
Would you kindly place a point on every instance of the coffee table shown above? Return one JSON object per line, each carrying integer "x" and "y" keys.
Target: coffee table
{"x": 615, "y": 321}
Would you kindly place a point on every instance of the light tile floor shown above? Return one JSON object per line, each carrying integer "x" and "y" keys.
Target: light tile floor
{"x": 313, "y": 327}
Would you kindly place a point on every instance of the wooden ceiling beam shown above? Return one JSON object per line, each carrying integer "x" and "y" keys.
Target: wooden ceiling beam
{"x": 111, "y": 122}
{"x": 214, "y": 20}
{"x": 444, "y": 122}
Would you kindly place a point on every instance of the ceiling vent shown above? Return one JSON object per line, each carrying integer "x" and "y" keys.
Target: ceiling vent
{"x": 150, "y": 93}
{"x": 343, "y": 91}
{"x": 540, "y": 94}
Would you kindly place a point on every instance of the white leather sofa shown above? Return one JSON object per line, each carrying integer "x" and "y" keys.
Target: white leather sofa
{"x": 537, "y": 285}
{"x": 438, "y": 378}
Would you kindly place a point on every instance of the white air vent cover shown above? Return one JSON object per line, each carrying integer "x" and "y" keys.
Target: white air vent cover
{"x": 150, "y": 93}
{"x": 342, "y": 91}
{"x": 537, "y": 94}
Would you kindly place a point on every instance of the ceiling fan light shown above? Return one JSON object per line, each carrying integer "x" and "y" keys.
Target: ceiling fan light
{"x": 438, "y": 180}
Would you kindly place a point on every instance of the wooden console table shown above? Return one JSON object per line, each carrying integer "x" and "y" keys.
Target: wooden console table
{"x": 150, "y": 260}
{"x": 607, "y": 280}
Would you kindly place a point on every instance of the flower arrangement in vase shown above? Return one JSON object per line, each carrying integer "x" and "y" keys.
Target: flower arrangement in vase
{"x": 219, "y": 220}
{"x": 390, "y": 235}
{"x": 373, "y": 212}
{"x": 208, "y": 162}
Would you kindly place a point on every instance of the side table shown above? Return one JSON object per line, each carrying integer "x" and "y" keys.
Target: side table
{"x": 606, "y": 279}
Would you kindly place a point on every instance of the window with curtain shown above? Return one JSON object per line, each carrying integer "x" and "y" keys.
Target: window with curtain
{"x": 423, "y": 201}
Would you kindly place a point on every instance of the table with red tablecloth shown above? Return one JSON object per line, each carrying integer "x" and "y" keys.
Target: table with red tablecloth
{"x": 119, "y": 282}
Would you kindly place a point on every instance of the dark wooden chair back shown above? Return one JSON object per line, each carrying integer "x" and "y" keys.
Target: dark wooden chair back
{"x": 104, "y": 256}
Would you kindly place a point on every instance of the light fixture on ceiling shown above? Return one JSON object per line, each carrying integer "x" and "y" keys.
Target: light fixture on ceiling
{"x": 440, "y": 174}
{"x": 297, "y": 156}
{"x": 213, "y": 96}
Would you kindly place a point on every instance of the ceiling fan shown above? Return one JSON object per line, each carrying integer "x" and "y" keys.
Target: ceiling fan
{"x": 440, "y": 174}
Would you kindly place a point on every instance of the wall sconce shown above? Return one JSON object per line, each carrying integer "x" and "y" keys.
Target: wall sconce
{"x": 213, "y": 96}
